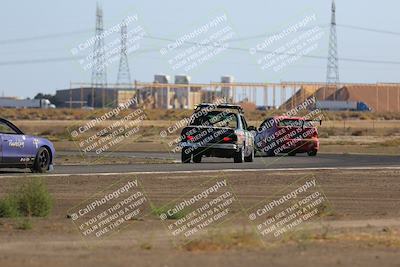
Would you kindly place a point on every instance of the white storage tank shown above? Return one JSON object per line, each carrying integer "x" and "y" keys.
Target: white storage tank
{"x": 182, "y": 94}
{"x": 162, "y": 95}
{"x": 227, "y": 92}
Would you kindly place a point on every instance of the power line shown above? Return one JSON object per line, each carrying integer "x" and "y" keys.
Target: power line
{"x": 272, "y": 52}
{"x": 37, "y": 61}
{"x": 368, "y": 29}
{"x": 58, "y": 59}
{"x": 42, "y": 37}
{"x": 64, "y": 34}
{"x": 356, "y": 60}
{"x": 270, "y": 34}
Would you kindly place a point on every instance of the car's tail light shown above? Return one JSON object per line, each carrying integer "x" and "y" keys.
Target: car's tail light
{"x": 189, "y": 138}
{"x": 315, "y": 134}
{"x": 232, "y": 138}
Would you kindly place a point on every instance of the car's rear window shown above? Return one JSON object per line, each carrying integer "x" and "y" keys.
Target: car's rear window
{"x": 216, "y": 119}
{"x": 294, "y": 123}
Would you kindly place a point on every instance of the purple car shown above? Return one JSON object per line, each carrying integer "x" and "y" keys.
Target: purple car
{"x": 18, "y": 150}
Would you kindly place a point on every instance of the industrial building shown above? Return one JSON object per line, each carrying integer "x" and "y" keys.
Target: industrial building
{"x": 82, "y": 97}
{"x": 379, "y": 97}
{"x": 182, "y": 94}
{"x": 160, "y": 94}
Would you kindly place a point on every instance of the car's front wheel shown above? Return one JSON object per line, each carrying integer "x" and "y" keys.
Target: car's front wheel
{"x": 42, "y": 160}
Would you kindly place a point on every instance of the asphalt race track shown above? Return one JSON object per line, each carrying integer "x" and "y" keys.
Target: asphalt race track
{"x": 299, "y": 162}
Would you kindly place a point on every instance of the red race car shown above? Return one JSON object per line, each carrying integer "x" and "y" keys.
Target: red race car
{"x": 289, "y": 135}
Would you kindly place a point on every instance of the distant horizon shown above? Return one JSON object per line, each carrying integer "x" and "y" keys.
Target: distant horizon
{"x": 39, "y": 58}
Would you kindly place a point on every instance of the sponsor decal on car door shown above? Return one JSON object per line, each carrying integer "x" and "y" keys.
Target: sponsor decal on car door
{"x": 13, "y": 147}
{"x": 30, "y": 149}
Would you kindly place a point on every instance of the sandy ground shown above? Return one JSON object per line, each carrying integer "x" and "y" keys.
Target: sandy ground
{"x": 361, "y": 229}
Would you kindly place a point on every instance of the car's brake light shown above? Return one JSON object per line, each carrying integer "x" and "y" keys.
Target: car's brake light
{"x": 227, "y": 139}
{"x": 189, "y": 138}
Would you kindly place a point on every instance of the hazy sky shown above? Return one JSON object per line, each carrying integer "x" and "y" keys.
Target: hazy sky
{"x": 44, "y": 30}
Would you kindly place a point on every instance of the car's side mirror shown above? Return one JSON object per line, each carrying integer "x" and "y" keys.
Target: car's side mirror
{"x": 251, "y": 128}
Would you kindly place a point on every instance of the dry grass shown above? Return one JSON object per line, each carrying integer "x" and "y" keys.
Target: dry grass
{"x": 227, "y": 240}
{"x": 334, "y": 138}
{"x": 390, "y": 240}
{"x": 385, "y": 237}
{"x": 218, "y": 241}
{"x": 172, "y": 115}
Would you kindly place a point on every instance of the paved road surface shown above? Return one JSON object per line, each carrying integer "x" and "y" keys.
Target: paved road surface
{"x": 214, "y": 164}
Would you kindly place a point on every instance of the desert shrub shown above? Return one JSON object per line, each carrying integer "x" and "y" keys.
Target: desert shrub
{"x": 364, "y": 117}
{"x": 163, "y": 210}
{"x": 357, "y": 133}
{"x": 327, "y": 132}
{"x": 30, "y": 199}
{"x": 24, "y": 224}
{"x": 323, "y": 135}
{"x": 9, "y": 207}
{"x": 46, "y": 132}
{"x": 34, "y": 199}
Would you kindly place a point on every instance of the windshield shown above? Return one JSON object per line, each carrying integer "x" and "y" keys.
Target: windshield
{"x": 216, "y": 119}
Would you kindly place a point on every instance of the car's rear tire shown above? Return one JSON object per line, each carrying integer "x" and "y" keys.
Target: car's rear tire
{"x": 250, "y": 158}
{"x": 271, "y": 153}
{"x": 312, "y": 153}
{"x": 42, "y": 161}
{"x": 197, "y": 158}
{"x": 185, "y": 156}
{"x": 238, "y": 157}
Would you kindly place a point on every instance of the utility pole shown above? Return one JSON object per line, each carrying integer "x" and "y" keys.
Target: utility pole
{"x": 99, "y": 71}
{"x": 332, "y": 74}
{"x": 124, "y": 75}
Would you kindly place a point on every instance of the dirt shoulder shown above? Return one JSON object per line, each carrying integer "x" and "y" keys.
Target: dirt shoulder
{"x": 361, "y": 230}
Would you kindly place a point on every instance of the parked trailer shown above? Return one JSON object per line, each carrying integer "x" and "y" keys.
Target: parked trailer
{"x": 342, "y": 105}
{"x": 25, "y": 103}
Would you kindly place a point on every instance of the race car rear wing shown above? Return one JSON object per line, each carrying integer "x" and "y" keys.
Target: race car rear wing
{"x": 221, "y": 106}
{"x": 320, "y": 122}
